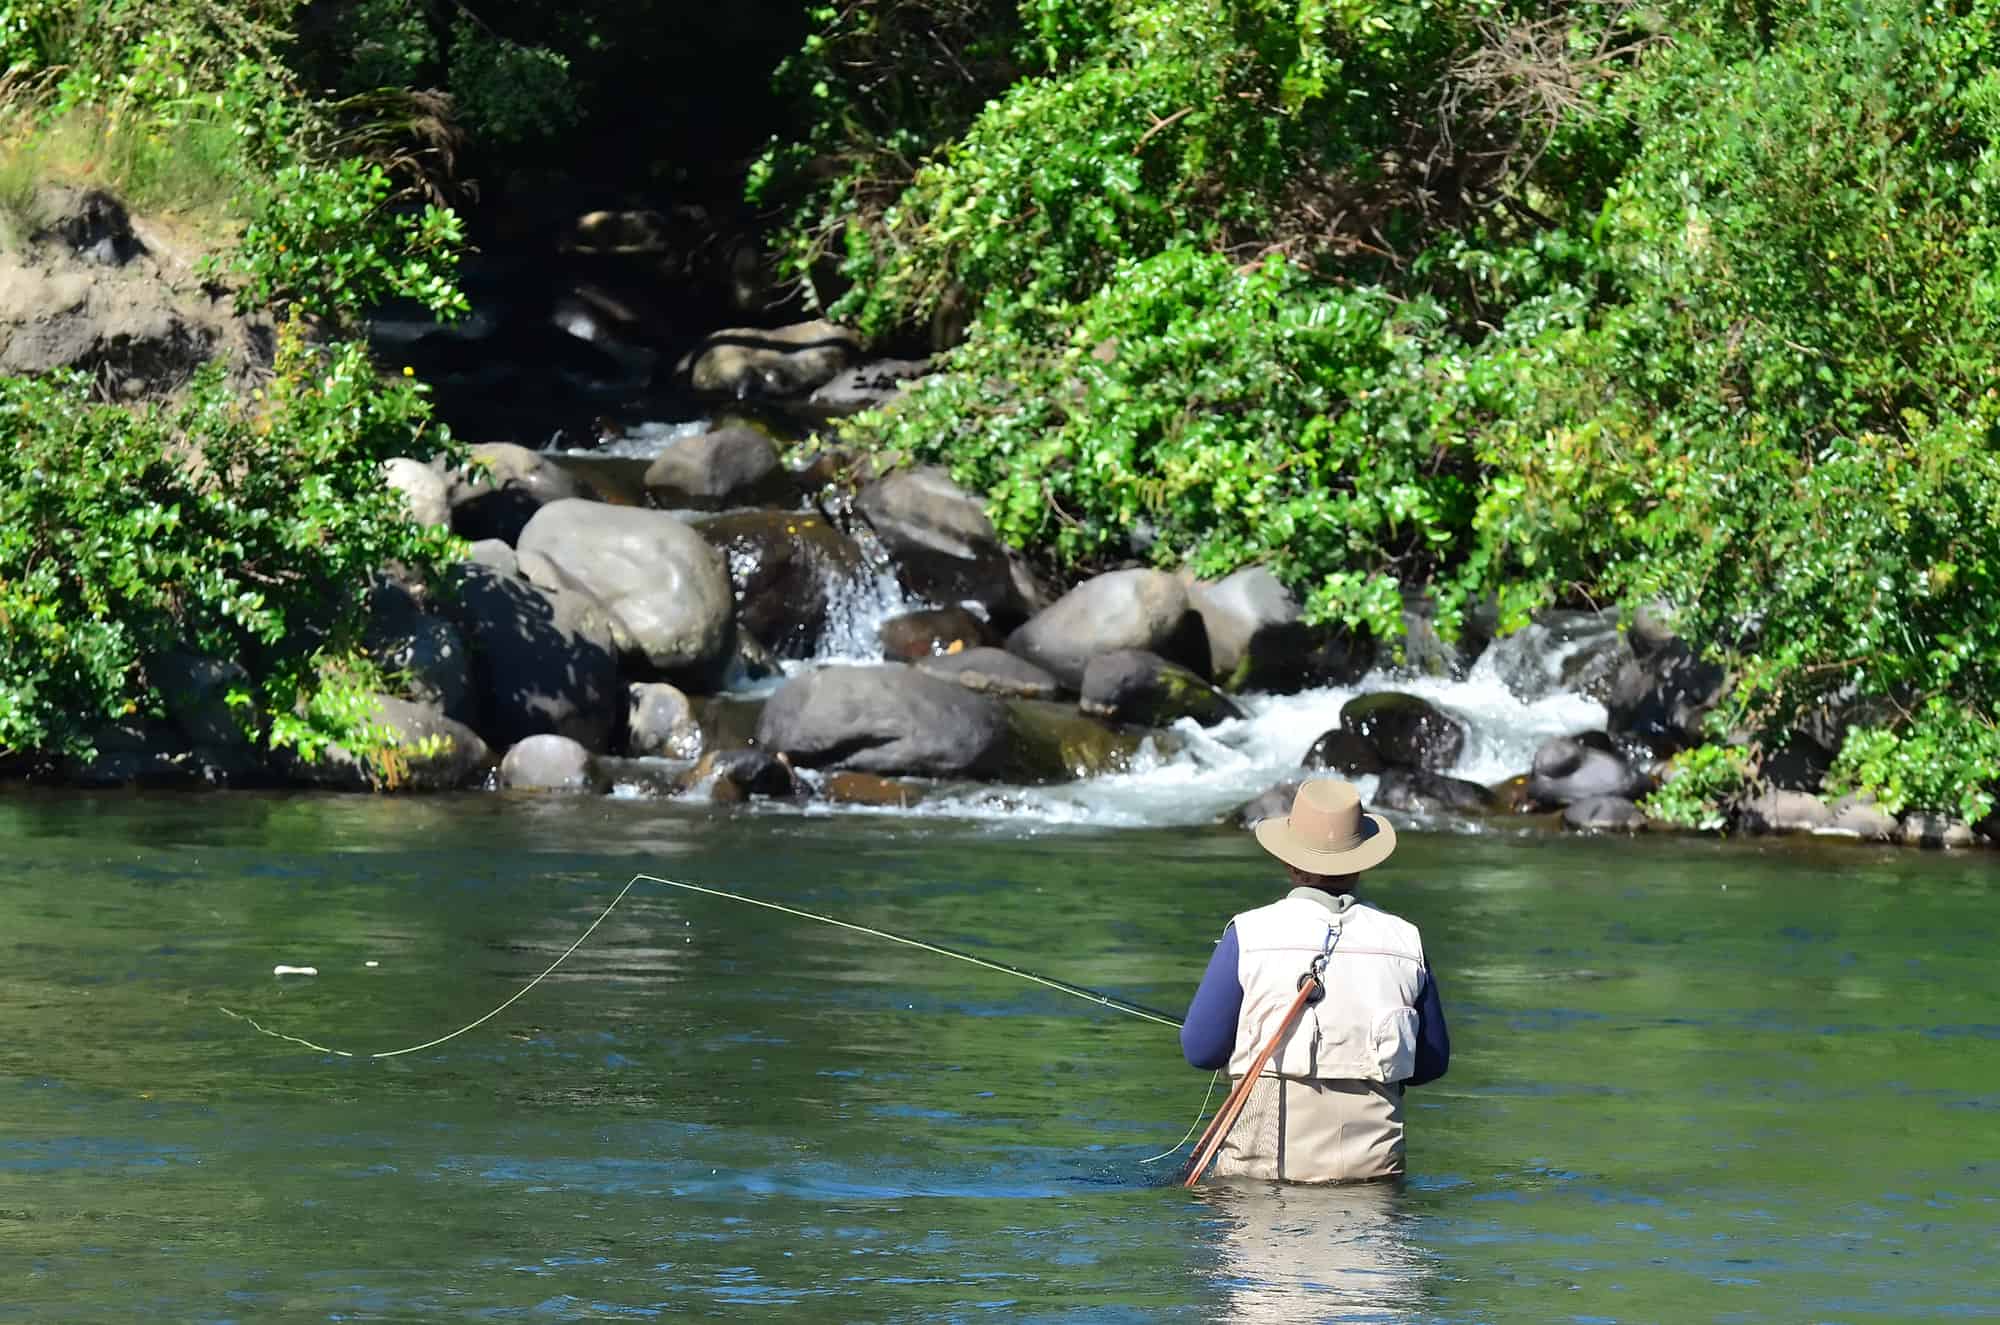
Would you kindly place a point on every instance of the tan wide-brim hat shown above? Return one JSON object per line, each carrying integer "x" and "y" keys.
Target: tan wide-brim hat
{"x": 1326, "y": 832}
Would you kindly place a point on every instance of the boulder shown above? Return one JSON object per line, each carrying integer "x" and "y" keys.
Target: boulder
{"x": 734, "y": 776}
{"x": 426, "y": 494}
{"x": 1663, "y": 697}
{"x": 196, "y": 689}
{"x": 1922, "y": 829}
{"x": 993, "y": 672}
{"x": 849, "y": 788}
{"x": 1343, "y": 752}
{"x": 713, "y": 471}
{"x": 1604, "y": 814}
{"x": 1049, "y": 742}
{"x": 662, "y": 588}
{"x": 750, "y": 363}
{"x": 424, "y": 649}
{"x": 1413, "y": 790}
{"x": 728, "y": 721}
{"x": 1125, "y": 609}
{"x": 1781, "y": 811}
{"x": 787, "y": 571}
{"x": 549, "y": 763}
{"x": 886, "y": 719}
{"x": 1859, "y": 817}
{"x": 1567, "y": 769}
{"x": 424, "y": 751}
{"x": 935, "y": 630}
{"x": 659, "y": 721}
{"x": 155, "y": 753}
{"x": 1424, "y": 649}
{"x": 493, "y": 553}
{"x": 1406, "y": 731}
{"x": 1273, "y": 803}
{"x": 944, "y": 547}
{"x": 867, "y": 386}
{"x": 1258, "y": 641}
{"x": 1558, "y": 651}
{"x": 541, "y": 659}
{"x": 1132, "y": 685}
{"x": 499, "y": 491}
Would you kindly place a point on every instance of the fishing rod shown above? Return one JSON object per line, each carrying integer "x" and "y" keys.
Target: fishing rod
{"x": 1089, "y": 995}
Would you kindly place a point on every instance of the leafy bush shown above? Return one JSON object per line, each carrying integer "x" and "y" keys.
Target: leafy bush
{"x": 240, "y": 529}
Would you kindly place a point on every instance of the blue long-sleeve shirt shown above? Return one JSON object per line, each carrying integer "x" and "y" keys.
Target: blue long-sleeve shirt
{"x": 1208, "y": 1037}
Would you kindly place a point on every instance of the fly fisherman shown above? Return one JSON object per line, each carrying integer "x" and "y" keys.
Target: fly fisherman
{"x": 1327, "y": 1105}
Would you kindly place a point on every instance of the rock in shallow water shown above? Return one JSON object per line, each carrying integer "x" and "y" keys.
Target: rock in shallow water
{"x": 1344, "y": 752}
{"x": 1780, "y": 811}
{"x": 1125, "y": 609}
{"x": 992, "y": 672}
{"x": 1604, "y": 814}
{"x": 714, "y": 471}
{"x": 1409, "y": 789}
{"x": 887, "y": 719}
{"x": 933, "y": 631}
{"x": 1568, "y": 769}
{"x": 787, "y": 570}
{"x": 1406, "y": 731}
{"x": 660, "y": 722}
{"x": 1132, "y": 685}
{"x": 549, "y": 763}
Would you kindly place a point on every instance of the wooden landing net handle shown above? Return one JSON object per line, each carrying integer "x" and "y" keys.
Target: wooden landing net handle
{"x": 1225, "y": 1117}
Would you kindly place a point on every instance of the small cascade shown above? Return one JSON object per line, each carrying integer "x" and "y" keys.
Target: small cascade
{"x": 642, "y": 441}
{"x": 860, "y": 600}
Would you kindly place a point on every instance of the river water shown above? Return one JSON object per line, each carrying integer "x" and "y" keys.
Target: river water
{"x": 1693, "y": 1081}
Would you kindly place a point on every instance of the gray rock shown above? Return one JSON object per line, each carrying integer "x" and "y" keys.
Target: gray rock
{"x": 1864, "y": 819}
{"x": 993, "y": 672}
{"x": 933, "y": 631}
{"x": 868, "y": 386}
{"x": 426, "y": 751}
{"x": 1126, "y": 609}
{"x": 1567, "y": 770}
{"x": 664, "y": 590}
{"x": 787, "y": 571}
{"x": 1406, "y": 731}
{"x": 542, "y": 659}
{"x": 549, "y": 763}
{"x": 749, "y": 363}
{"x": 1413, "y": 790}
{"x": 1578, "y": 652}
{"x": 737, "y": 775}
{"x": 887, "y": 719}
{"x": 944, "y": 547}
{"x": 1921, "y": 829}
{"x": 1604, "y": 814}
{"x": 425, "y": 649}
{"x": 196, "y": 690}
{"x": 1663, "y": 697}
{"x": 1781, "y": 811}
{"x": 1274, "y": 803}
{"x": 493, "y": 553}
{"x": 1343, "y": 752}
{"x": 714, "y": 471}
{"x": 1132, "y": 685}
{"x": 1049, "y": 742}
{"x": 661, "y": 721}
{"x": 1257, "y": 640}
{"x": 426, "y": 494}
{"x": 147, "y": 753}
{"x": 501, "y": 489}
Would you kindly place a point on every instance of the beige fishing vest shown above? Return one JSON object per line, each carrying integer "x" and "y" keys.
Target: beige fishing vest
{"x": 1365, "y": 1028}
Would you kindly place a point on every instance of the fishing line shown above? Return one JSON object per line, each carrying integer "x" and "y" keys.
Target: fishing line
{"x": 1206, "y": 1095}
{"x": 1096, "y": 996}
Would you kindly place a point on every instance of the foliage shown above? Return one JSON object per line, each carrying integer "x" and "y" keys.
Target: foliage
{"x": 1700, "y": 785}
{"x": 238, "y": 529}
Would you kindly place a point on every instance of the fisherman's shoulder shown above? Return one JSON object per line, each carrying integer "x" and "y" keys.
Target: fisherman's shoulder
{"x": 1386, "y": 928}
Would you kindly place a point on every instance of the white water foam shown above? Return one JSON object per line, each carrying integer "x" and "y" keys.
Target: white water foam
{"x": 640, "y": 442}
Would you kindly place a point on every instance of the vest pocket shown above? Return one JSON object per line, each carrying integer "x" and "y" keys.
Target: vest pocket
{"x": 1396, "y": 1043}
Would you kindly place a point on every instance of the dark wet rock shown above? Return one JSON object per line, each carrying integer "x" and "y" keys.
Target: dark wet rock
{"x": 932, "y": 631}
{"x": 1414, "y": 790}
{"x": 728, "y": 721}
{"x": 1922, "y": 829}
{"x": 1800, "y": 764}
{"x": 541, "y": 659}
{"x": 848, "y": 788}
{"x": 1132, "y": 685}
{"x": 157, "y": 754}
{"x": 944, "y": 547}
{"x": 550, "y": 763}
{"x": 425, "y": 492}
{"x": 867, "y": 386}
{"x": 1862, "y": 818}
{"x": 1512, "y": 796}
{"x": 734, "y": 776}
{"x": 993, "y": 672}
{"x": 663, "y": 589}
{"x": 1126, "y": 609}
{"x": 787, "y": 570}
{"x": 426, "y": 752}
{"x": 196, "y": 690}
{"x": 502, "y": 488}
{"x": 1567, "y": 770}
{"x": 1048, "y": 742}
{"x": 886, "y": 719}
{"x": 752, "y": 662}
{"x": 1561, "y": 651}
{"x": 1273, "y": 803}
{"x": 715, "y": 471}
{"x": 1344, "y": 752}
{"x": 421, "y": 647}
{"x": 1406, "y": 731}
{"x": 1781, "y": 811}
{"x": 1604, "y": 814}
{"x": 661, "y": 722}
{"x": 1663, "y": 696}
{"x": 753, "y": 363}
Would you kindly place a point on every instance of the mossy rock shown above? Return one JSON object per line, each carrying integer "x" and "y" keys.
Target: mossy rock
{"x": 1051, "y": 742}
